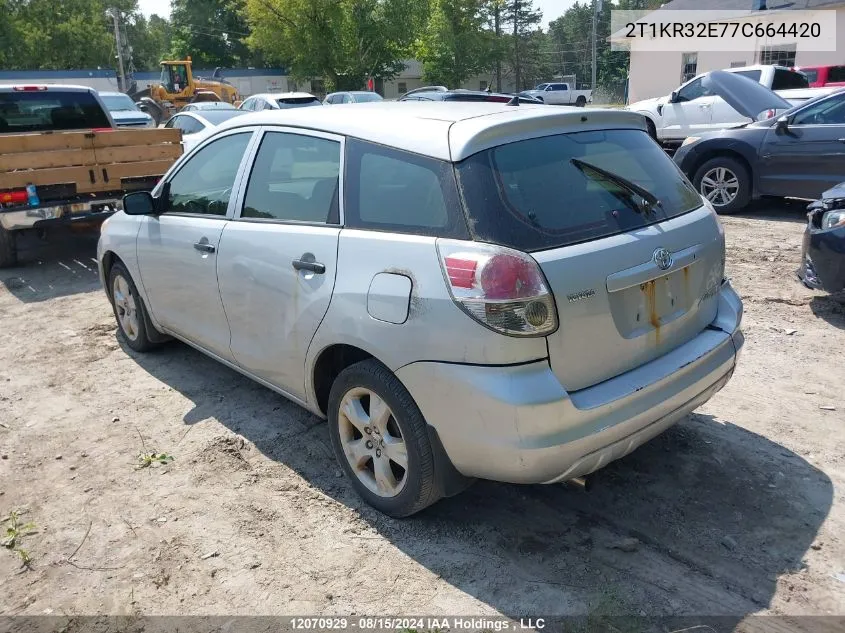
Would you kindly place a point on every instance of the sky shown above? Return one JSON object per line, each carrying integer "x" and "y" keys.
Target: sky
{"x": 552, "y": 9}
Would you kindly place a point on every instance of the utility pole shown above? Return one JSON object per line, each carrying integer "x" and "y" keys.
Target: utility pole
{"x": 517, "y": 68}
{"x": 121, "y": 83}
{"x": 596, "y": 9}
{"x": 497, "y": 20}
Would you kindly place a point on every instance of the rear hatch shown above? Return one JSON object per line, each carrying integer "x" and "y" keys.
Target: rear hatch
{"x": 632, "y": 257}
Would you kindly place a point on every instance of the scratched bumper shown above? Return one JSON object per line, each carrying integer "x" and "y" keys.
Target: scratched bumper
{"x": 518, "y": 424}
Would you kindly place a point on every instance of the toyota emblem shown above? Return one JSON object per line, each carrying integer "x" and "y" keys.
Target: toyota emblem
{"x": 662, "y": 258}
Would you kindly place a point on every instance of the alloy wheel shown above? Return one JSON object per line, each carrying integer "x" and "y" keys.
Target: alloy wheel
{"x": 372, "y": 442}
{"x": 125, "y": 307}
{"x": 720, "y": 186}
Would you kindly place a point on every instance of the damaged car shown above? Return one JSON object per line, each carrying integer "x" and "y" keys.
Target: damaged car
{"x": 823, "y": 251}
{"x": 795, "y": 154}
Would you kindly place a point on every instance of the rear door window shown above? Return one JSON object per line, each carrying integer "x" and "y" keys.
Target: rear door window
{"x": 50, "y": 110}
{"x": 294, "y": 178}
{"x": 531, "y": 195}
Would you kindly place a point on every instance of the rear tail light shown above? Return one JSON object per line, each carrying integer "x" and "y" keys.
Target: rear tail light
{"x": 15, "y": 196}
{"x": 501, "y": 288}
{"x": 29, "y": 88}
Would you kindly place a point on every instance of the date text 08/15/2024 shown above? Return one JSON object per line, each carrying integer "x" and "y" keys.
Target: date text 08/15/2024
{"x": 373, "y": 623}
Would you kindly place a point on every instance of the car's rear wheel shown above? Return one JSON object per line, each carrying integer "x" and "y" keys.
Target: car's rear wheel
{"x": 380, "y": 439}
{"x": 581, "y": 101}
{"x": 725, "y": 182}
{"x": 8, "y": 248}
{"x": 129, "y": 309}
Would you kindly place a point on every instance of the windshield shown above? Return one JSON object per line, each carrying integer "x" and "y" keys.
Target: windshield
{"x": 568, "y": 188}
{"x": 118, "y": 103}
{"x": 298, "y": 102}
{"x": 46, "y": 110}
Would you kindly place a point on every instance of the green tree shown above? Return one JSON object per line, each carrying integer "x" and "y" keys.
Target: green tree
{"x": 212, "y": 32}
{"x": 454, "y": 46}
{"x": 149, "y": 38}
{"x": 523, "y": 20}
{"x": 341, "y": 41}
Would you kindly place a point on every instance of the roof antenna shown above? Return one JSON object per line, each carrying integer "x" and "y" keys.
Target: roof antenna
{"x": 514, "y": 101}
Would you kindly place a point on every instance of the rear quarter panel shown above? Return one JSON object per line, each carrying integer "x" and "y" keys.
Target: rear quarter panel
{"x": 435, "y": 329}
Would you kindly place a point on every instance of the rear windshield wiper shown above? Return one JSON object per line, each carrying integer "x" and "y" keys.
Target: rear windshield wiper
{"x": 650, "y": 201}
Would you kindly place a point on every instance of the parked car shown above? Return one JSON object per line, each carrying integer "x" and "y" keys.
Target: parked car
{"x": 693, "y": 108}
{"x": 797, "y": 154}
{"x": 126, "y": 112}
{"x": 63, "y": 162}
{"x": 424, "y": 89}
{"x": 802, "y": 95}
{"x": 208, "y": 105}
{"x": 468, "y": 95}
{"x": 196, "y": 125}
{"x": 820, "y": 76}
{"x": 560, "y": 93}
{"x": 279, "y": 101}
{"x": 355, "y": 96}
{"x": 408, "y": 271}
{"x": 823, "y": 250}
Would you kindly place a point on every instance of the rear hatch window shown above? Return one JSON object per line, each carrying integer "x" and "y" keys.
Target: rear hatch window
{"x": 789, "y": 80}
{"x": 563, "y": 189}
{"x": 298, "y": 102}
{"x": 49, "y": 110}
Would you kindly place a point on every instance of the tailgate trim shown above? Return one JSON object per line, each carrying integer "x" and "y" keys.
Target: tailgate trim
{"x": 648, "y": 271}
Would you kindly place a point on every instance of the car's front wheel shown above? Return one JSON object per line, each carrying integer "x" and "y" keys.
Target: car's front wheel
{"x": 379, "y": 436}
{"x": 128, "y": 309}
{"x": 725, "y": 182}
{"x": 581, "y": 101}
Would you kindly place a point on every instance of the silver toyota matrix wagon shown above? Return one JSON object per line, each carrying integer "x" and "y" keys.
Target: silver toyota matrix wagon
{"x": 464, "y": 290}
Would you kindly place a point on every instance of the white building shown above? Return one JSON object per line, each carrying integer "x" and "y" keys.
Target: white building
{"x": 653, "y": 74}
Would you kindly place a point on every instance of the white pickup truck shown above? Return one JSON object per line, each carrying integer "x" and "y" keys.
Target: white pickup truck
{"x": 692, "y": 108}
{"x": 560, "y": 93}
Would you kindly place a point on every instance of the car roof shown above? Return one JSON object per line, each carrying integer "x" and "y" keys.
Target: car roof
{"x": 283, "y": 95}
{"x": 48, "y": 87}
{"x": 450, "y": 131}
{"x": 212, "y": 117}
{"x": 112, "y": 94}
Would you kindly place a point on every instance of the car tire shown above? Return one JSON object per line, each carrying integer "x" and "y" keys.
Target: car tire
{"x": 652, "y": 128}
{"x": 371, "y": 444}
{"x": 129, "y": 310}
{"x": 581, "y": 101}
{"x": 734, "y": 179}
{"x": 8, "y": 248}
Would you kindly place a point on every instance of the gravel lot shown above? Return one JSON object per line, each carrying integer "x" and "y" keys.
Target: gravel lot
{"x": 737, "y": 510}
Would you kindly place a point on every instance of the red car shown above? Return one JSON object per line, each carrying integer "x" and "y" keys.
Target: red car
{"x": 819, "y": 76}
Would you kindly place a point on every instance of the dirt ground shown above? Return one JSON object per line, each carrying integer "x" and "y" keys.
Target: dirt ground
{"x": 739, "y": 509}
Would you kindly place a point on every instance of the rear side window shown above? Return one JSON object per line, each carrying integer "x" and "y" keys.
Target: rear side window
{"x": 41, "y": 111}
{"x": 294, "y": 178}
{"x": 531, "y": 195}
{"x": 812, "y": 75}
{"x": 787, "y": 80}
{"x": 836, "y": 74}
{"x": 401, "y": 192}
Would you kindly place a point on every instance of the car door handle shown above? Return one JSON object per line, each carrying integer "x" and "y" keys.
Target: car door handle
{"x": 205, "y": 247}
{"x": 314, "y": 267}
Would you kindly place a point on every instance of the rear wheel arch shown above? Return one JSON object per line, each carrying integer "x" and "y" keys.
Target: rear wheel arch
{"x": 327, "y": 367}
{"x": 726, "y": 153}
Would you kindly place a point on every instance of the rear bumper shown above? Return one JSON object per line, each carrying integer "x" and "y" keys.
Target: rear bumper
{"x": 60, "y": 213}
{"x": 518, "y": 424}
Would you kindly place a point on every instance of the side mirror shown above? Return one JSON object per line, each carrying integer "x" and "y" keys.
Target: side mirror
{"x": 782, "y": 125}
{"x": 673, "y": 98}
{"x": 139, "y": 203}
